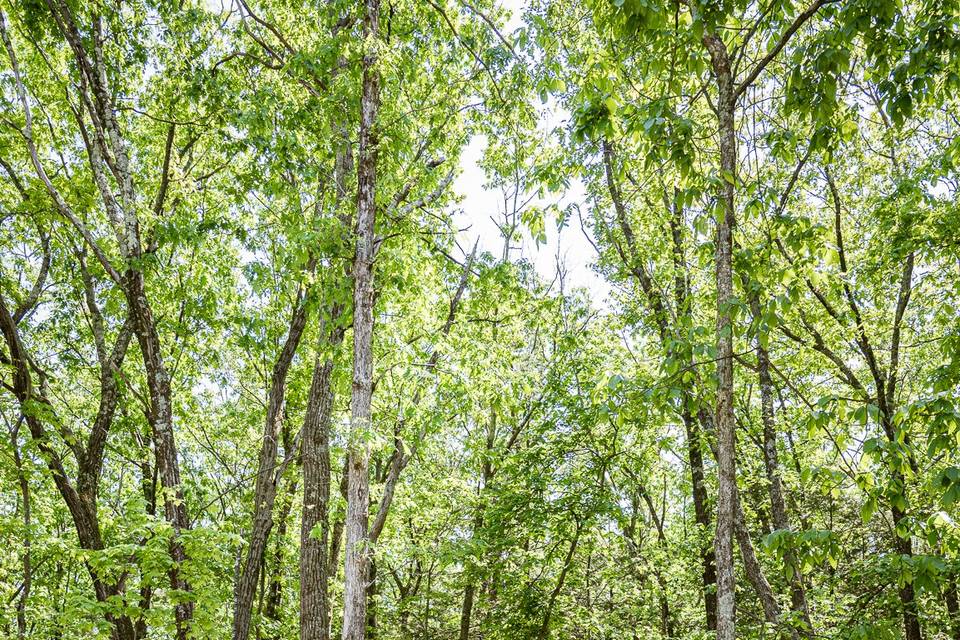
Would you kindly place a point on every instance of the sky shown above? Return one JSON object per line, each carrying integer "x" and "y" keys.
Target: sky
{"x": 479, "y": 207}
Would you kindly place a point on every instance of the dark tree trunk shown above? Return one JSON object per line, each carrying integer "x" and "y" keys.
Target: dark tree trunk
{"x": 82, "y": 506}
{"x": 315, "y": 565}
{"x": 701, "y": 510}
{"x": 275, "y": 587}
{"x": 267, "y": 477}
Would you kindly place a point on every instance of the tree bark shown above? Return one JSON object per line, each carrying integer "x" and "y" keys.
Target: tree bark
{"x": 275, "y": 586}
{"x": 724, "y": 416}
{"x": 778, "y": 508}
{"x": 161, "y": 419}
{"x": 356, "y": 565}
{"x": 82, "y": 506}
{"x": 701, "y": 510}
{"x": 267, "y": 476}
{"x": 315, "y": 567}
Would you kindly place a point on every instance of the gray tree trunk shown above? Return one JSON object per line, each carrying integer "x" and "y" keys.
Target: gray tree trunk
{"x": 356, "y": 564}
{"x": 724, "y": 416}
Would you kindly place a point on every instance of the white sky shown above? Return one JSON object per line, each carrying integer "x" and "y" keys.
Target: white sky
{"x": 480, "y": 207}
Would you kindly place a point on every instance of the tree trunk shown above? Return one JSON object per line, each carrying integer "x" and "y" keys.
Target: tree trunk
{"x": 544, "y": 631}
{"x": 315, "y": 454}
{"x": 267, "y": 477}
{"x": 660, "y": 317}
{"x": 778, "y": 509}
{"x": 771, "y": 609}
{"x": 275, "y": 586}
{"x": 161, "y": 419}
{"x": 26, "y": 559}
{"x": 724, "y": 418}
{"x": 666, "y": 619}
{"x": 358, "y": 479}
{"x": 371, "y": 599}
{"x": 82, "y": 507}
{"x": 701, "y": 510}
{"x": 908, "y": 596}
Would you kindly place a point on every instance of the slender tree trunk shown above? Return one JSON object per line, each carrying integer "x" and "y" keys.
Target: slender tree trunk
{"x": 666, "y": 620}
{"x": 371, "y": 599}
{"x": 724, "y": 418}
{"x": 358, "y": 479}
{"x": 267, "y": 477}
{"x": 887, "y": 402}
{"x": 466, "y": 610}
{"x": 660, "y": 317}
{"x": 148, "y": 486}
{"x": 701, "y": 507}
{"x": 701, "y": 510}
{"x": 315, "y": 454}
{"x": 771, "y": 609}
{"x": 26, "y": 559}
{"x": 161, "y": 420}
{"x": 544, "y": 632}
{"x": 778, "y": 509}
{"x": 908, "y": 596}
{"x": 275, "y": 586}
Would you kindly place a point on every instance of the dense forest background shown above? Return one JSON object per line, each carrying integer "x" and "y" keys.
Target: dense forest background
{"x": 259, "y": 379}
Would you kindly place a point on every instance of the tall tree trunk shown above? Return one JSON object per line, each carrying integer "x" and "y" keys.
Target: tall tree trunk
{"x": 778, "y": 509}
{"x": 544, "y": 632}
{"x": 317, "y": 549}
{"x": 724, "y": 418}
{"x": 888, "y": 402}
{"x": 469, "y": 591}
{"x": 275, "y": 586}
{"x": 267, "y": 476}
{"x": 358, "y": 479}
{"x": 161, "y": 420}
{"x": 701, "y": 510}
{"x": 701, "y": 507}
{"x": 315, "y": 455}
